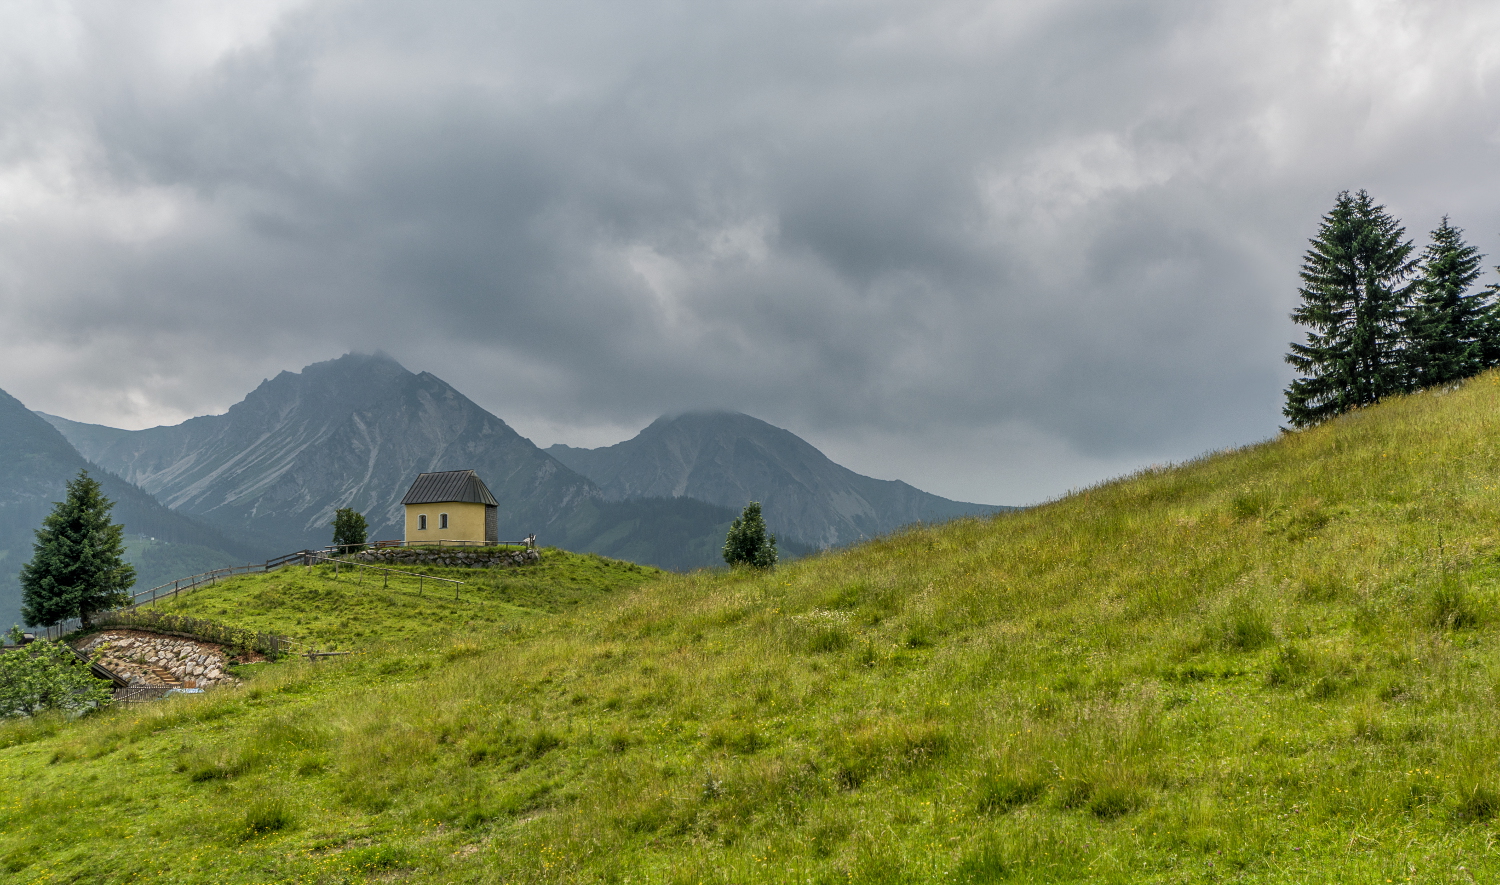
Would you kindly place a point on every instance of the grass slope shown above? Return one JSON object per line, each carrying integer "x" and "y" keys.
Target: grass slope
{"x": 1273, "y": 665}
{"x": 359, "y": 608}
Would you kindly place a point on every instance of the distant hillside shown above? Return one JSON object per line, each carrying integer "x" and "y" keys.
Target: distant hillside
{"x": 681, "y": 534}
{"x": 728, "y": 459}
{"x": 36, "y": 465}
{"x": 351, "y": 432}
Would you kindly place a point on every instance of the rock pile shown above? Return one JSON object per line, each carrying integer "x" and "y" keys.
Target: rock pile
{"x": 456, "y": 557}
{"x": 152, "y": 659}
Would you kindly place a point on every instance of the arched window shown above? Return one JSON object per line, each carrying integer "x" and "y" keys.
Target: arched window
{"x": 442, "y": 520}
{"x": 422, "y": 523}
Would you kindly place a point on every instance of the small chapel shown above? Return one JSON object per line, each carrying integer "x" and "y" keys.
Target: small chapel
{"x": 454, "y": 505}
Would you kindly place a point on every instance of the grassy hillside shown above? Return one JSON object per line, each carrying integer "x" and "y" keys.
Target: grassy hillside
{"x": 1272, "y": 665}
{"x": 334, "y": 609}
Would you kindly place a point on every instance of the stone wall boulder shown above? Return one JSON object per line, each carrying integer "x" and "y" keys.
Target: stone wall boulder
{"x": 452, "y": 557}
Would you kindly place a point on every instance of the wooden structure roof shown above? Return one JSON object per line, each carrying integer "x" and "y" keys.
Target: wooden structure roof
{"x": 451, "y": 485}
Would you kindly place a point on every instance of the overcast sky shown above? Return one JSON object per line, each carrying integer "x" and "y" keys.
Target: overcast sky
{"x": 999, "y": 250}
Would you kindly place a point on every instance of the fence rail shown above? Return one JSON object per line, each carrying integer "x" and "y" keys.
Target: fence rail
{"x": 528, "y": 543}
{"x": 421, "y": 578}
{"x": 175, "y": 588}
{"x": 301, "y": 557}
{"x": 139, "y": 693}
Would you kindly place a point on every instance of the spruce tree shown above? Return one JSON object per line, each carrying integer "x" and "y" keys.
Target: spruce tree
{"x": 747, "y": 544}
{"x": 1353, "y": 296}
{"x": 1448, "y": 327}
{"x": 78, "y": 563}
{"x": 1489, "y": 327}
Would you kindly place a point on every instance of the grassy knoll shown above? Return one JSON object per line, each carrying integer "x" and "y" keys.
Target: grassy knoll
{"x": 1273, "y": 665}
{"x": 348, "y": 608}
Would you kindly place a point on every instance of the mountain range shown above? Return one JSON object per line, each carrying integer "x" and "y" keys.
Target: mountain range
{"x": 266, "y": 476}
{"x": 728, "y": 458}
{"x": 351, "y": 432}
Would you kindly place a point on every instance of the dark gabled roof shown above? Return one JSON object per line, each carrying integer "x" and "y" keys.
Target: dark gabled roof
{"x": 450, "y": 485}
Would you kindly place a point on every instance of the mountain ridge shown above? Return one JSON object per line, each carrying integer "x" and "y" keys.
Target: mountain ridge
{"x": 729, "y": 458}
{"x": 349, "y": 432}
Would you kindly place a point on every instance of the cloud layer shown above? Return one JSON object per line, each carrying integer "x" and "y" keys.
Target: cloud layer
{"x": 995, "y": 249}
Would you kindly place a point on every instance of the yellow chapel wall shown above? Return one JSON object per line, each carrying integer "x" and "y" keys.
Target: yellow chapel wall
{"x": 465, "y": 522}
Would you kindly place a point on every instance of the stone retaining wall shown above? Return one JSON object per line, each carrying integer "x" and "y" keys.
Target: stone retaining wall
{"x": 144, "y": 657}
{"x": 456, "y": 557}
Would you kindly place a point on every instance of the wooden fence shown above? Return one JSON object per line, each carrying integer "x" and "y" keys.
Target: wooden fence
{"x": 192, "y": 582}
{"x": 213, "y": 576}
{"x": 421, "y": 578}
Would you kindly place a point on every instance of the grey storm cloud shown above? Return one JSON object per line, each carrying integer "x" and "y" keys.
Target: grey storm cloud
{"x": 996, "y": 249}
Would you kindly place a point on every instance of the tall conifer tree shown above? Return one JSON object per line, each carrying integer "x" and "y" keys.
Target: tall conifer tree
{"x": 1489, "y": 327}
{"x": 1353, "y": 292}
{"x": 1448, "y": 327}
{"x": 78, "y": 563}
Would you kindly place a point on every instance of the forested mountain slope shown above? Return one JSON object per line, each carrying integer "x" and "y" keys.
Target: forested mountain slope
{"x": 36, "y": 463}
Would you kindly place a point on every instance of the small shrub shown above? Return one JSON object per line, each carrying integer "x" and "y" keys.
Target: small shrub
{"x": 1301, "y": 521}
{"x": 1367, "y": 724}
{"x": 819, "y": 632}
{"x": 890, "y": 748}
{"x": 202, "y": 765}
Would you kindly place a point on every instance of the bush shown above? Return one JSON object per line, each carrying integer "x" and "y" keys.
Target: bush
{"x": 47, "y": 676}
{"x": 349, "y": 529}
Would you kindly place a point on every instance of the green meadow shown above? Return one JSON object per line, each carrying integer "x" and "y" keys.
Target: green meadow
{"x": 1276, "y": 664}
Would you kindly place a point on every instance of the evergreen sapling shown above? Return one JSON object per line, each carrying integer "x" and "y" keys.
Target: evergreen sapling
{"x": 747, "y": 544}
